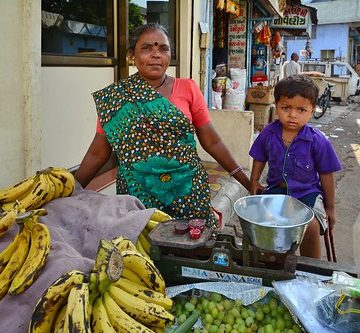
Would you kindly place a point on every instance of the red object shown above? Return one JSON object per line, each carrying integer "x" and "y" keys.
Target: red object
{"x": 195, "y": 233}
{"x": 259, "y": 78}
{"x": 181, "y": 228}
{"x": 197, "y": 224}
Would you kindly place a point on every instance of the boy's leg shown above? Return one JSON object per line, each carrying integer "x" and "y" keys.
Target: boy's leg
{"x": 310, "y": 246}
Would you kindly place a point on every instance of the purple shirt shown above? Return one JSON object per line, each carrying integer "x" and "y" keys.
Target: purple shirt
{"x": 300, "y": 164}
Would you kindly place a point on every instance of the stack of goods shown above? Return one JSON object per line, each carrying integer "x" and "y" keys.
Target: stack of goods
{"x": 260, "y": 100}
{"x": 235, "y": 94}
{"x": 124, "y": 292}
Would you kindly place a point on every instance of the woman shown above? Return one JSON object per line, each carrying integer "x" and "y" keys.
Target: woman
{"x": 149, "y": 121}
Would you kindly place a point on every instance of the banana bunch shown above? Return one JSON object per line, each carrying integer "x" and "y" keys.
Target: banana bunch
{"x": 23, "y": 259}
{"x": 131, "y": 296}
{"x": 37, "y": 190}
{"x": 143, "y": 245}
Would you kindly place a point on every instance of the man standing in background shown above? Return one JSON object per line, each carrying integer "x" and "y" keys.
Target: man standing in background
{"x": 292, "y": 67}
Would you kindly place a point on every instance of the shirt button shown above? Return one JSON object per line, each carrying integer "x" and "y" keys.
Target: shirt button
{"x": 285, "y": 174}
{"x": 288, "y": 155}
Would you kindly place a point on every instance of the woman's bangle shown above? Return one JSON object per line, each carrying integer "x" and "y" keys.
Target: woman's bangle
{"x": 232, "y": 173}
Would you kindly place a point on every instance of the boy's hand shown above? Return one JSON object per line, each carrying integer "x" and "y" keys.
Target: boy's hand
{"x": 256, "y": 188}
{"x": 330, "y": 212}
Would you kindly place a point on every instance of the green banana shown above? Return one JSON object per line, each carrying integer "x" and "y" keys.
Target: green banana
{"x": 147, "y": 313}
{"x": 76, "y": 317}
{"x": 54, "y": 297}
{"x": 16, "y": 261}
{"x": 36, "y": 258}
{"x": 120, "y": 320}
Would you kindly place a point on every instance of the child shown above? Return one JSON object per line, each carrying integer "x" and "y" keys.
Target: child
{"x": 301, "y": 161}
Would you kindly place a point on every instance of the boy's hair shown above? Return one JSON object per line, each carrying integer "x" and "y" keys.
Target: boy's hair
{"x": 294, "y": 85}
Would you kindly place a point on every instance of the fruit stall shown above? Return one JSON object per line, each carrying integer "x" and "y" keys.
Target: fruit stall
{"x": 74, "y": 260}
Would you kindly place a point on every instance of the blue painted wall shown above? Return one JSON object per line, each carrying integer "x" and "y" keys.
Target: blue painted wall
{"x": 328, "y": 37}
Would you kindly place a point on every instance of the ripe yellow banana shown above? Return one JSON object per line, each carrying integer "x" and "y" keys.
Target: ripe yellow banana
{"x": 33, "y": 199}
{"x": 132, "y": 276}
{"x": 59, "y": 185}
{"x": 144, "y": 293}
{"x": 140, "y": 249}
{"x": 120, "y": 320}
{"x": 54, "y": 297}
{"x": 67, "y": 179}
{"x": 145, "y": 243}
{"x": 14, "y": 192}
{"x": 122, "y": 243}
{"x": 6, "y": 254}
{"x": 36, "y": 258}
{"x": 142, "y": 311}
{"x": 151, "y": 225}
{"x": 160, "y": 216}
{"x": 76, "y": 317}
{"x": 51, "y": 188}
{"x": 100, "y": 322}
{"x": 145, "y": 268}
{"x": 7, "y": 219}
{"x": 16, "y": 261}
{"x": 60, "y": 320}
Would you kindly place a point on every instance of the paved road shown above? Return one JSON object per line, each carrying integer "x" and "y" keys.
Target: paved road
{"x": 342, "y": 126}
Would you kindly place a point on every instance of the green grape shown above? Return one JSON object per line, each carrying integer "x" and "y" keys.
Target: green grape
{"x": 266, "y": 308}
{"x": 254, "y": 327}
{"x": 267, "y": 319}
{"x": 242, "y": 329}
{"x": 220, "y": 306}
{"x": 273, "y": 313}
{"x": 189, "y": 306}
{"x": 221, "y": 329}
{"x": 214, "y": 312}
{"x": 197, "y": 330}
{"x": 204, "y": 303}
{"x": 259, "y": 314}
{"x": 280, "y": 324}
{"x": 199, "y": 307}
{"x": 251, "y": 313}
{"x": 215, "y": 297}
{"x": 288, "y": 323}
{"x": 281, "y": 309}
{"x": 240, "y": 321}
{"x": 273, "y": 304}
{"x": 296, "y": 328}
{"x": 221, "y": 316}
{"x": 244, "y": 313}
{"x": 228, "y": 328}
{"x": 273, "y": 322}
{"x": 238, "y": 302}
{"x": 268, "y": 329}
{"x": 235, "y": 312}
{"x": 208, "y": 318}
{"x": 290, "y": 331}
{"x": 182, "y": 318}
{"x": 213, "y": 329}
{"x": 194, "y": 300}
{"x": 249, "y": 321}
{"x": 229, "y": 319}
{"x": 261, "y": 329}
{"x": 287, "y": 315}
{"x": 234, "y": 331}
{"x": 211, "y": 306}
{"x": 277, "y": 330}
{"x": 228, "y": 304}
{"x": 217, "y": 322}
{"x": 207, "y": 326}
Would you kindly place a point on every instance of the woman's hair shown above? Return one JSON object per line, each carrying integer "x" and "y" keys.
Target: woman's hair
{"x": 294, "y": 85}
{"x": 136, "y": 34}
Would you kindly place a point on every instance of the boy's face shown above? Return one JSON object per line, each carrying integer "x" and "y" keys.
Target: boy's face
{"x": 294, "y": 112}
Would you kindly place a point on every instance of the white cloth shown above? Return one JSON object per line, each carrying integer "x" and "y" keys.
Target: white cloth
{"x": 292, "y": 68}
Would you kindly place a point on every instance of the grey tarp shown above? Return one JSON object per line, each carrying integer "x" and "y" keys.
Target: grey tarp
{"x": 76, "y": 224}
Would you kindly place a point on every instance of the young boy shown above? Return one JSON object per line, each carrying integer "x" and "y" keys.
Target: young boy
{"x": 300, "y": 159}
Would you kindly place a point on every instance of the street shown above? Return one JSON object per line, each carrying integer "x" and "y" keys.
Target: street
{"x": 342, "y": 125}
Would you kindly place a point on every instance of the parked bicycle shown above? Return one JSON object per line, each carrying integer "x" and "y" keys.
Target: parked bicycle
{"x": 323, "y": 102}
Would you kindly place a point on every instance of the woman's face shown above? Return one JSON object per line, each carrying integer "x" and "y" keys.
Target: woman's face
{"x": 152, "y": 54}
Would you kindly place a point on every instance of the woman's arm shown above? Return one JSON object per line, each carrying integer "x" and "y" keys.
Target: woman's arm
{"x": 256, "y": 171}
{"x": 97, "y": 155}
{"x": 212, "y": 143}
{"x": 328, "y": 186}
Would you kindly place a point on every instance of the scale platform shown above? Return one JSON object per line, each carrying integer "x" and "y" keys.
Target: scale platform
{"x": 216, "y": 257}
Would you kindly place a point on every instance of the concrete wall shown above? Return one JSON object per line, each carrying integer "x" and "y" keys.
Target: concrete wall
{"x": 324, "y": 40}
{"x": 20, "y": 127}
{"x": 236, "y": 129}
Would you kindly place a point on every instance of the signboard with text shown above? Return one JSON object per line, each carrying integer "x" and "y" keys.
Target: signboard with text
{"x": 295, "y": 17}
{"x": 237, "y": 40}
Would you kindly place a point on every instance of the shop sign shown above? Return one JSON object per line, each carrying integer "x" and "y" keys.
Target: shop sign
{"x": 295, "y": 17}
{"x": 237, "y": 39}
